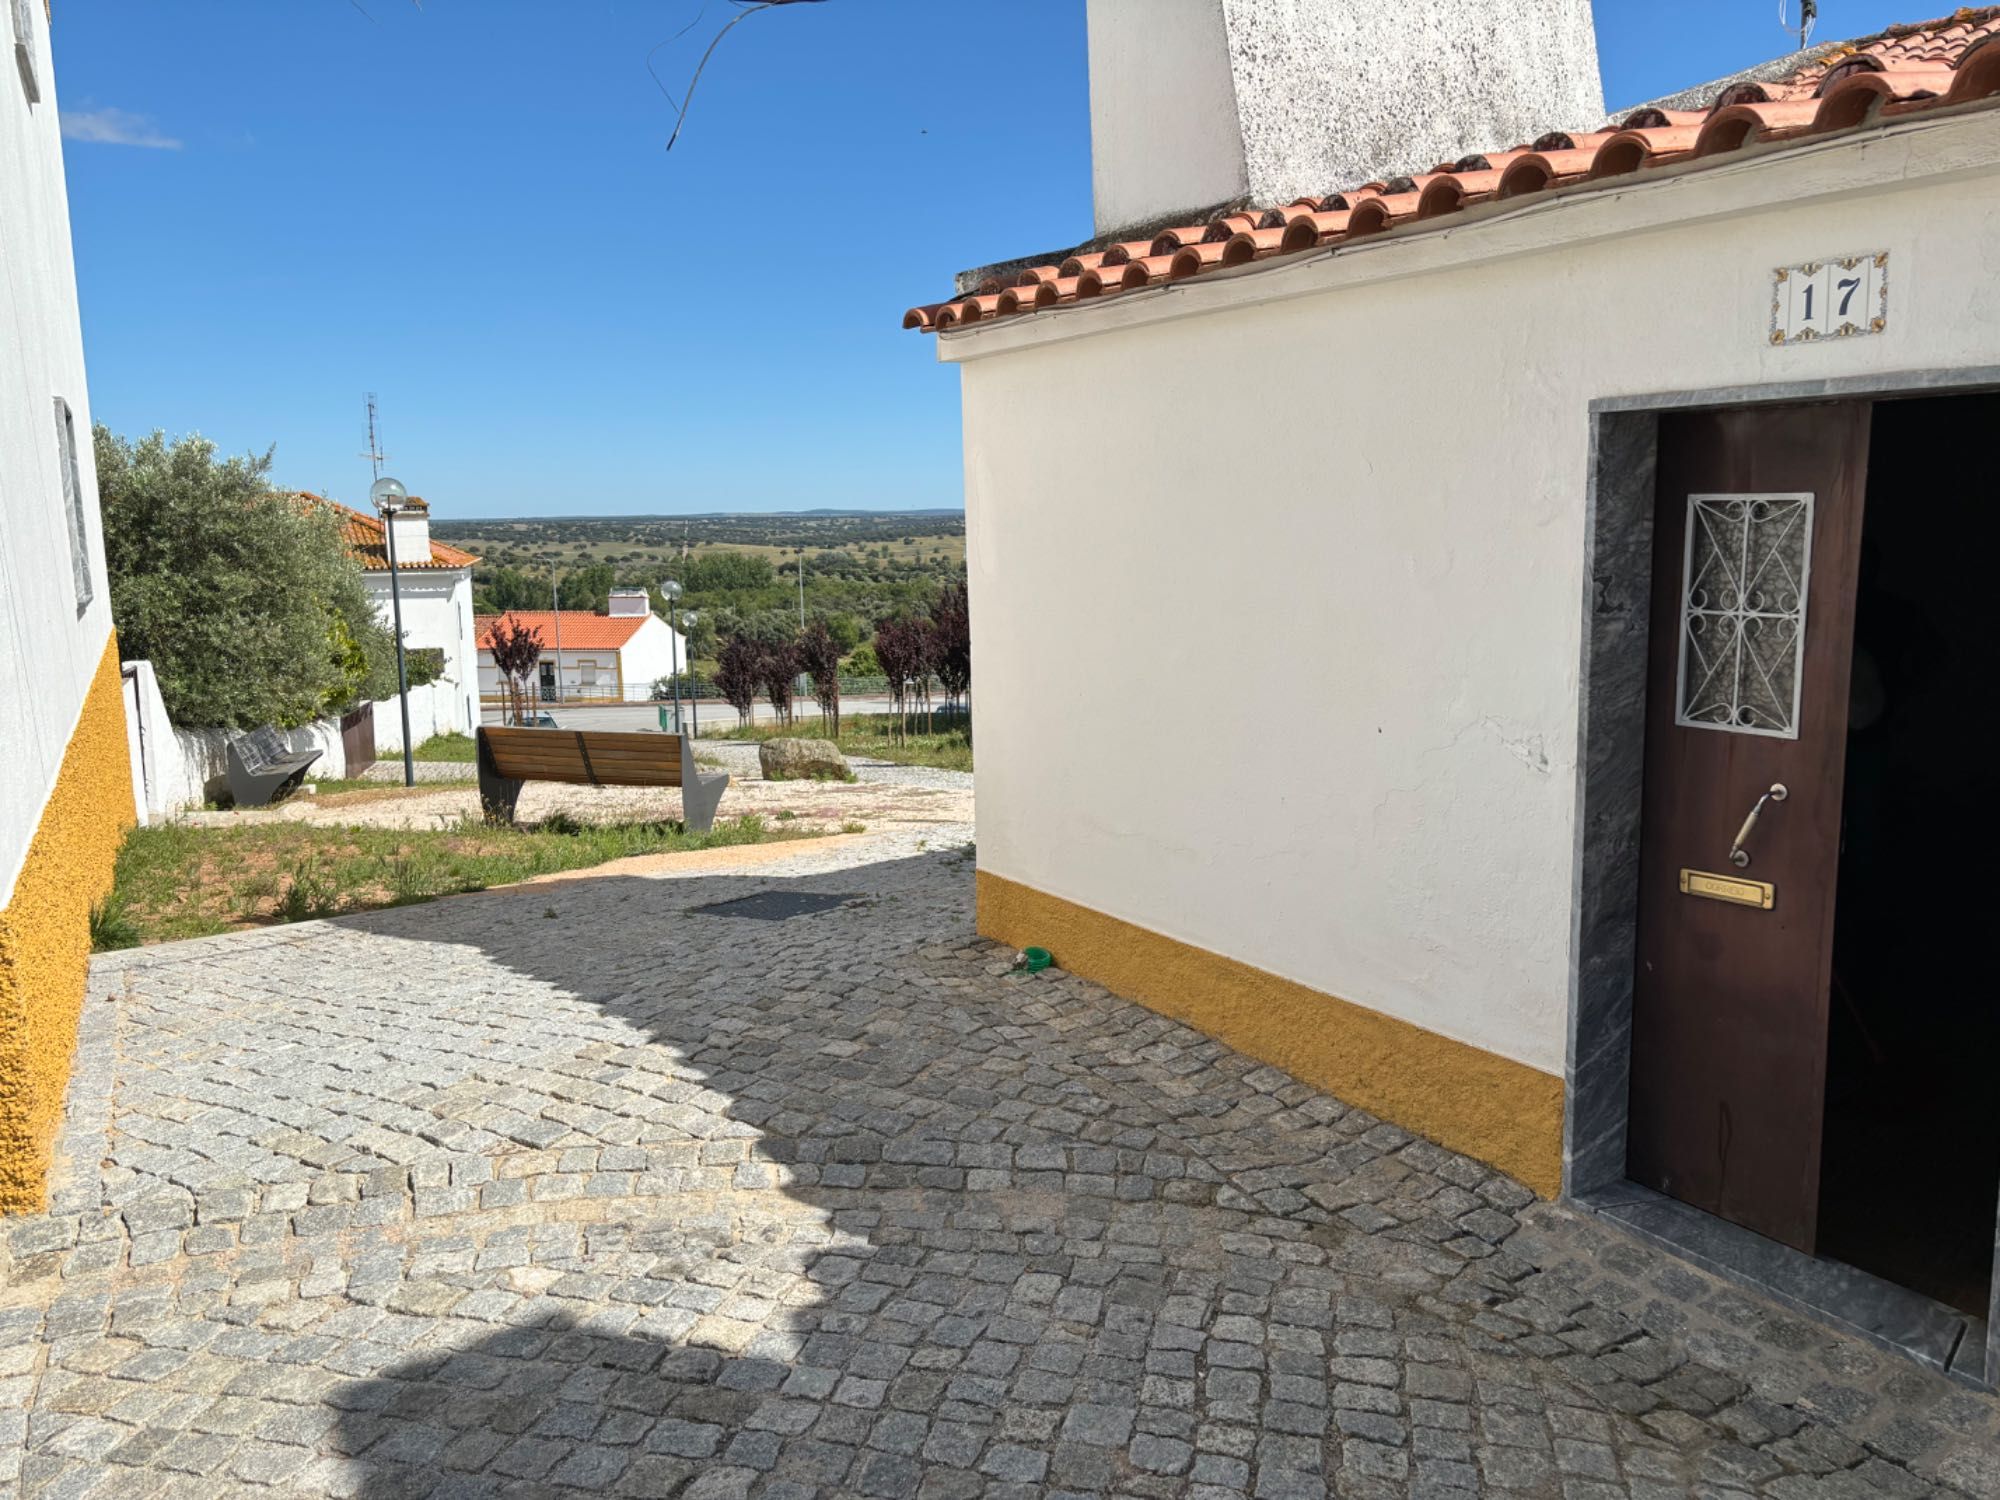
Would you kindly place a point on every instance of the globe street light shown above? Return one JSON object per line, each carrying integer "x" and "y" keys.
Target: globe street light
{"x": 670, "y": 590}
{"x": 389, "y": 497}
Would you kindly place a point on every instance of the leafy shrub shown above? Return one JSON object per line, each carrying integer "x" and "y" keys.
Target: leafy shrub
{"x": 245, "y": 599}
{"x": 425, "y": 664}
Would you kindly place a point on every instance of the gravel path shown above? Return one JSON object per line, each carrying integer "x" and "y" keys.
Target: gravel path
{"x": 882, "y": 797}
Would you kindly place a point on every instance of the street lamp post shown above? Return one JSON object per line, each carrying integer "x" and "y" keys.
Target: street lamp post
{"x": 390, "y": 498}
{"x": 694, "y": 689}
{"x": 670, "y": 590}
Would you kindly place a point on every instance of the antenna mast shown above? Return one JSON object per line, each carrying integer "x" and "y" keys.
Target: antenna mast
{"x": 1808, "y": 14}
{"x": 374, "y": 455}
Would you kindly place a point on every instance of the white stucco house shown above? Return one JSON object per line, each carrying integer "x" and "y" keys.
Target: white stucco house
{"x": 435, "y": 581}
{"x": 65, "y": 763}
{"x": 614, "y": 657}
{"x": 1612, "y": 494}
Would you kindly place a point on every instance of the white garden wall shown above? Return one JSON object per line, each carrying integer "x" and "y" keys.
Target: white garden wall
{"x": 174, "y": 769}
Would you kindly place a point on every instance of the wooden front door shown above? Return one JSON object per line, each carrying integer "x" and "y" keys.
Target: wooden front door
{"x": 1756, "y": 550}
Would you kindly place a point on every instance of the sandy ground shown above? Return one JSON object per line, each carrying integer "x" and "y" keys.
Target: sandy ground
{"x": 885, "y": 797}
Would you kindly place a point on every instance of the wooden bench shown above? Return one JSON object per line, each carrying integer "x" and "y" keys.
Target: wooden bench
{"x": 263, "y": 768}
{"x": 594, "y": 757}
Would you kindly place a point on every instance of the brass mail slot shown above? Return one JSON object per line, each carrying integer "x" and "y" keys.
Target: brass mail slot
{"x": 1731, "y": 888}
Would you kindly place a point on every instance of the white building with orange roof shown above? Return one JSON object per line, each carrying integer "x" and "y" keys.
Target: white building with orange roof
{"x": 614, "y": 657}
{"x": 1608, "y": 503}
{"x": 435, "y": 581}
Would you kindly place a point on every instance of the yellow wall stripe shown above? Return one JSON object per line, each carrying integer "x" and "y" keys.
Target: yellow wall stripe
{"x": 1493, "y": 1108}
{"x": 45, "y": 934}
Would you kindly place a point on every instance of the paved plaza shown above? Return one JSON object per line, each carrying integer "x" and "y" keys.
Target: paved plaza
{"x": 580, "y": 1190}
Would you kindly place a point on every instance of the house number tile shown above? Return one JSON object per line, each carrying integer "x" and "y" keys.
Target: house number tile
{"x": 1842, "y": 297}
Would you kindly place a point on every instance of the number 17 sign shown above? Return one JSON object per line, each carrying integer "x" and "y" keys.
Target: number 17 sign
{"x": 1841, "y": 298}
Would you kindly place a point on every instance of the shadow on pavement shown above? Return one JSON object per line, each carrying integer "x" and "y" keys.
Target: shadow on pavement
{"x": 850, "y": 1213}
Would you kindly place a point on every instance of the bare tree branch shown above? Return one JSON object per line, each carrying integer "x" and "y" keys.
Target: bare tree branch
{"x": 744, "y": 10}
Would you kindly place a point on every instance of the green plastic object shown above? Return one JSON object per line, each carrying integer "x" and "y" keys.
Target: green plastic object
{"x": 1034, "y": 960}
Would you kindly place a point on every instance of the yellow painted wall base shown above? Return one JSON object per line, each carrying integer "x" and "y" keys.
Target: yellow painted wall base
{"x": 45, "y": 934}
{"x": 1500, "y": 1111}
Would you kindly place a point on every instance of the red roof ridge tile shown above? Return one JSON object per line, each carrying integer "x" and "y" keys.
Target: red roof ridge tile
{"x": 1947, "y": 63}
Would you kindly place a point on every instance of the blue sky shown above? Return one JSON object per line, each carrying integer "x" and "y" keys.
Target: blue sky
{"x": 279, "y": 205}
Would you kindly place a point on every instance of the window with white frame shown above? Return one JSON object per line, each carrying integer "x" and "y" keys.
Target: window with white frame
{"x": 24, "y": 47}
{"x": 72, "y": 483}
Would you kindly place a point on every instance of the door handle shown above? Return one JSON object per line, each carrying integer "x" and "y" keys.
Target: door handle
{"x": 1738, "y": 855}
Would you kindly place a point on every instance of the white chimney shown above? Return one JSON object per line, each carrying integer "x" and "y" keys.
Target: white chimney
{"x": 413, "y": 533}
{"x": 1194, "y": 103}
{"x": 628, "y": 603}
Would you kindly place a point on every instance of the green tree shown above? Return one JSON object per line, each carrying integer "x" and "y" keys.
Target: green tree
{"x": 504, "y": 589}
{"x": 726, "y": 572}
{"x": 588, "y": 588}
{"x": 245, "y": 599}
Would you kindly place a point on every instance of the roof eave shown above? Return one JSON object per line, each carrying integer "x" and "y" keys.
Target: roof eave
{"x": 1477, "y": 233}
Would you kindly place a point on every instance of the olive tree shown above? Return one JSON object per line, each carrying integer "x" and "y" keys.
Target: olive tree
{"x": 245, "y": 599}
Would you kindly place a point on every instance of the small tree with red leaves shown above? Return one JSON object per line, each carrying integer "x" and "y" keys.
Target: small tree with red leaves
{"x": 951, "y": 641}
{"x": 777, "y": 670}
{"x": 739, "y": 673}
{"x": 516, "y": 649}
{"x": 903, "y": 649}
{"x": 819, "y": 658}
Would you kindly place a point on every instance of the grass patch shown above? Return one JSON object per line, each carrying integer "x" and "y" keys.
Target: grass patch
{"x": 455, "y": 747}
{"x": 873, "y": 736}
{"x": 179, "y": 881}
{"x": 111, "y": 926}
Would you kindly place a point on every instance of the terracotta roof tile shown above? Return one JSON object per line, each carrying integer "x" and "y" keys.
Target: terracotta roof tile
{"x": 1906, "y": 69}
{"x": 581, "y": 629}
{"x": 363, "y": 535}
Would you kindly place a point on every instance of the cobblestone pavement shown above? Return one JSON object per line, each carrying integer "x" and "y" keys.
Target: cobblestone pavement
{"x": 576, "y": 1191}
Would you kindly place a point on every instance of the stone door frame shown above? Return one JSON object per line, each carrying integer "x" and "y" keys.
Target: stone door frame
{"x": 1618, "y": 555}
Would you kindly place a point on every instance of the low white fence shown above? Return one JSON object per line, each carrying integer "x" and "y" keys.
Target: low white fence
{"x": 176, "y": 768}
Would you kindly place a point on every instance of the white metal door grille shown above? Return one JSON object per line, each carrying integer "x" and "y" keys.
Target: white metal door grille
{"x": 1743, "y": 612}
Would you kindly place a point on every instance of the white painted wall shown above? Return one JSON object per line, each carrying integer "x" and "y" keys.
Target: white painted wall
{"x": 654, "y": 651}
{"x": 1379, "y": 462}
{"x": 1163, "y": 127}
{"x": 437, "y": 612}
{"x": 49, "y": 649}
{"x": 1193, "y": 102}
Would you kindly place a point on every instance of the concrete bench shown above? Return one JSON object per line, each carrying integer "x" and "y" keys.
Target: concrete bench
{"x": 263, "y": 768}
{"x": 508, "y": 758}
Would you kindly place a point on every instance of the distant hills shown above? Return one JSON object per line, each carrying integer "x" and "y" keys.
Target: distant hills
{"x": 665, "y": 518}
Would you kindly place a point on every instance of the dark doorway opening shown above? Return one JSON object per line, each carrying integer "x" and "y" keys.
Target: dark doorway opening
{"x": 1911, "y": 1163}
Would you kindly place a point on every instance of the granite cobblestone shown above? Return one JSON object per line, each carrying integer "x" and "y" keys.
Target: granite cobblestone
{"x": 454, "y": 1200}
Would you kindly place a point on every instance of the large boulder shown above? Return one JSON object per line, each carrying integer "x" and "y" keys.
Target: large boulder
{"x": 802, "y": 760}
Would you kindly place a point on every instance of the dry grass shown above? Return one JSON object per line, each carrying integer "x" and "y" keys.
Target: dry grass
{"x": 177, "y": 881}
